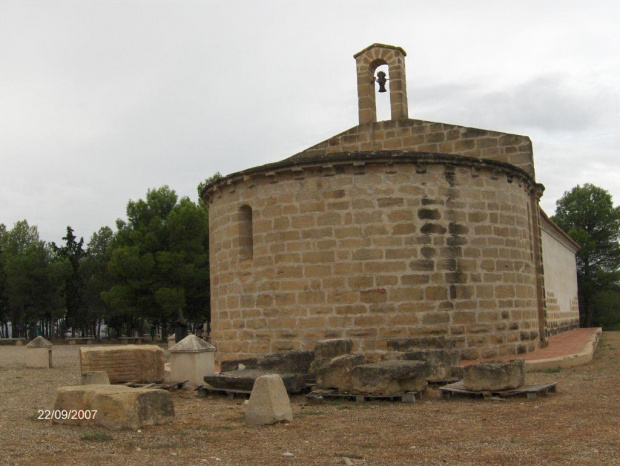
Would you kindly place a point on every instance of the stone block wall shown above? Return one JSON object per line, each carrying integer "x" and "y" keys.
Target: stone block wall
{"x": 375, "y": 249}
{"x": 426, "y": 136}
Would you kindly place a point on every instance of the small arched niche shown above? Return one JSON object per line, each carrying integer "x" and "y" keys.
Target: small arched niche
{"x": 246, "y": 234}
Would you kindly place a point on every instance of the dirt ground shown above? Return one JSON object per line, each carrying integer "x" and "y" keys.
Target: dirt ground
{"x": 580, "y": 424}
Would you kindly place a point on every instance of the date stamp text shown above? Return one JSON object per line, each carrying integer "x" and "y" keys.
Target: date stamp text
{"x": 64, "y": 414}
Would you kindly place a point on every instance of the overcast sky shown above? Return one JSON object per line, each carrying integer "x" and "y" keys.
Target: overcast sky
{"x": 102, "y": 100}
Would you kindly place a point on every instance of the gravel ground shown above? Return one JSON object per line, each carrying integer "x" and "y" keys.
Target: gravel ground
{"x": 580, "y": 424}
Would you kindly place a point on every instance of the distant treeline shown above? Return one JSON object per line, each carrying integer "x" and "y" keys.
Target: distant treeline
{"x": 153, "y": 271}
{"x": 146, "y": 277}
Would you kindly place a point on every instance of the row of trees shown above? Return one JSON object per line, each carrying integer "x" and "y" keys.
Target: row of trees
{"x": 153, "y": 271}
{"x": 149, "y": 274}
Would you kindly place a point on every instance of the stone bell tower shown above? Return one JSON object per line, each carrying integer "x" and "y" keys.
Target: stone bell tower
{"x": 367, "y": 61}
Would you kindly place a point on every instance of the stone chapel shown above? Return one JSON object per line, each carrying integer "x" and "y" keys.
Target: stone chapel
{"x": 394, "y": 234}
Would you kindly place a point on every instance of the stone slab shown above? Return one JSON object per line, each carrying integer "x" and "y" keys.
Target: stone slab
{"x": 244, "y": 380}
{"x": 235, "y": 364}
{"x": 95, "y": 378}
{"x": 336, "y": 373}
{"x": 440, "y": 361}
{"x": 390, "y": 377}
{"x": 494, "y": 375}
{"x": 325, "y": 350}
{"x": 295, "y": 361}
{"x": 126, "y": 363}
{"x": 531, "y": 391}
{"x": 118, "y": 407}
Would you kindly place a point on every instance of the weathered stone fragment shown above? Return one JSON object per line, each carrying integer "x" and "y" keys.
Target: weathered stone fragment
{"x": 440, "y": 361}
{"x": 126, "y": 363}
{"x": 284, "y": 362}
{"x": 39, "y": 353}
{"x": 167, "y": 369}
{"x": 390, "y": 377}
{"x": 117, "y": 406}
{"x": 245, "y": 379}
{"x": 336, "y": 373}
{"x": 297, "y": 361}
{"x": 269, "y": 402}
{"x": 95, "y": 378}
{"x": 171, "y": 341}
{"x": 457, "y": 372}
{"x": 325, "y": 350}
{"x": 328, "y": 349}
{"x": 235, "y": 364}
{"x": 494, "y": 375}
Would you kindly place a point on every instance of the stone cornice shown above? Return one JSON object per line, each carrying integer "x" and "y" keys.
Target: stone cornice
{"x": 358, "y": 160}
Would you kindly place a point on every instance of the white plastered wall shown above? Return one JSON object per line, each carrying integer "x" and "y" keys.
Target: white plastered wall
{"x": 560, "y": 268}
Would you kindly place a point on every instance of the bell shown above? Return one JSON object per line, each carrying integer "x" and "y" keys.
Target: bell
{"x": 381, "y": 80}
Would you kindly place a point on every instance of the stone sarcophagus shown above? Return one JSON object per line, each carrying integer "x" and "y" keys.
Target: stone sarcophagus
{"x": 127, "y": 363}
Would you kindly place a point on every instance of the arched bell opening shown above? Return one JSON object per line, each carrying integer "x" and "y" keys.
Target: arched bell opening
{"x": 382, "y": 96}
{"x": 393, "y": 81}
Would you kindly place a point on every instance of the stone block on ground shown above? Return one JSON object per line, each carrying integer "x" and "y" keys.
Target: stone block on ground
{"x": 39, "y": 353}
{"x": 457, "y": 372}
{"x": 269, "y": 402}
{"x": 284, "y": 362}
{"x": 325, "y": 350}
{"x": 390, "y": 377}
{"x": 95, "y": 378}
{"x": 328, "y": 349}
{"x": 126, "y": 363}
{"x": 118, "y": 407}
{"x": 245, "y": 379}
{"x": 440, "y": 361}
{"x": 336, "y": 373}
{"x": 297, "y": 361}
{"x": 494, "y": 375}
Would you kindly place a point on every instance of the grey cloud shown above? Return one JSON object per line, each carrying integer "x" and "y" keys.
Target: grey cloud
{"x": 546, "y": 103}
